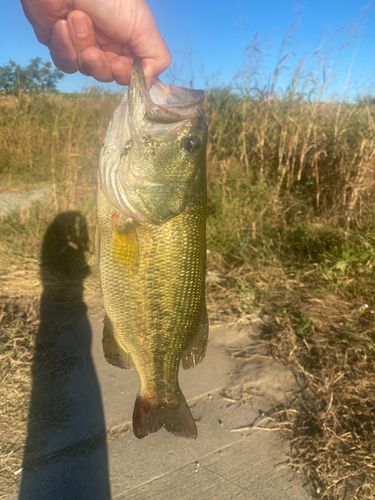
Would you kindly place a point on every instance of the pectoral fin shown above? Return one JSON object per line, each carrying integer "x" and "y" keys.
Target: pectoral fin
{"x": 113, "y": 352}
{"x": 196, "y": 348}
{"x": 125, "y": 246}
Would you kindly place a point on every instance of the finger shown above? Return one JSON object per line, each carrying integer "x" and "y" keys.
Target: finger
{"x": 115, "y": 19}
{"x": 42, "y": 33}
{"x": 147, "y": 43}
{"x": 95, "y": 63}
{"x": 132, "y": 25}
{"x": 42, "y": 29}
{"x": 81, "y": 31}
{"x": 153, "y": 67}
{"x": 121, "y": 69}
{"x": 101, "y": 38}
{"x": 91, "y": 60}
{"x": 62, "y": 51}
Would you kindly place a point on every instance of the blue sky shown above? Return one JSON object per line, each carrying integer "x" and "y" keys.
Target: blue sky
{"x": 208, "y": 40}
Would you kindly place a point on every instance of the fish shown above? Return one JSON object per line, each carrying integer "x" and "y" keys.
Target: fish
{"x": 151, "y": 245}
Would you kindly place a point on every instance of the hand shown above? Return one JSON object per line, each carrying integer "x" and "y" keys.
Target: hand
{"x": 99, "y": 37}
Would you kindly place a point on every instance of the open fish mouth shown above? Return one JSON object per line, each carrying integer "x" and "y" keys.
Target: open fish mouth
{"x": 181, "y": 103}
{"x": 163, "y": 103}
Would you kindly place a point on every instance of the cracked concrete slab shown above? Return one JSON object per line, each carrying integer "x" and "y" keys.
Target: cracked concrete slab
{"x": 95, "y": 455}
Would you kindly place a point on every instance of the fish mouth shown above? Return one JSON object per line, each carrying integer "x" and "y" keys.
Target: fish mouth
{"x": 181, "y": 102}
{"x": 165, "y": 103}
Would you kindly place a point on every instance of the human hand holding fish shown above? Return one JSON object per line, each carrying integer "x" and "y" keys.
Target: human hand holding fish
{"x": 100, "y": 38}
{"x": 151, "y": 205}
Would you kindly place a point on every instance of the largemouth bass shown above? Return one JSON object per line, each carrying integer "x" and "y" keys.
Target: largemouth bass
{"x": 151, "y": 246}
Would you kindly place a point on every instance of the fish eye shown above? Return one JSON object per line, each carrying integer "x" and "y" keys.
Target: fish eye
{"x": 192, "y": 143}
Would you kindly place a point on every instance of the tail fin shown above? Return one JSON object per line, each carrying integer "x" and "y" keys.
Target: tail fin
{"x": 174, "y": 417}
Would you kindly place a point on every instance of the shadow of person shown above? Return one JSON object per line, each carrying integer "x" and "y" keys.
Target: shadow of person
{"x": 65, "y": 453}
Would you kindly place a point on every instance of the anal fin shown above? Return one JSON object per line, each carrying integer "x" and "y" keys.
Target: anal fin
{"x": 113, "y": 352}
{"x": 195, "y": 350}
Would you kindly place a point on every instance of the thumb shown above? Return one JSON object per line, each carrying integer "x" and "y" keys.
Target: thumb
{"x": 115, "y": 18}
{"x": 131, "y": 23}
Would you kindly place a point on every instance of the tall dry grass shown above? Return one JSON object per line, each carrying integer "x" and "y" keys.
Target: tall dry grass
{"x": 291, "y": 239}
{"x": 317, "y": 155}
{"x": 53, "y": 139}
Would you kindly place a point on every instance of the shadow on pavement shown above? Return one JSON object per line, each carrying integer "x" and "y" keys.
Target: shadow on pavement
{"x": 65, "y": 452}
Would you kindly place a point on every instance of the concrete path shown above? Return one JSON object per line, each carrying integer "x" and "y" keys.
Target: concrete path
{"x": 11, "y": 201}
{"x": 88, "y": 450}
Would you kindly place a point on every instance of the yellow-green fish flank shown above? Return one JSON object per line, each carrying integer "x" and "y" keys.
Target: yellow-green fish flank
{"x": 152, "y": 246}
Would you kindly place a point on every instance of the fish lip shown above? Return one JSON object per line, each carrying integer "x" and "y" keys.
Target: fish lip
{"x": 175, "y": 98}
{"x": 164, "y": 103}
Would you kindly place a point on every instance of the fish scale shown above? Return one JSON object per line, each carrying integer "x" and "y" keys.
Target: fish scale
{"x": 155, "y": 308}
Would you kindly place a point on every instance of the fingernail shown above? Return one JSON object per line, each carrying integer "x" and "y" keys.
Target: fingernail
{"x": 79, "y": 25}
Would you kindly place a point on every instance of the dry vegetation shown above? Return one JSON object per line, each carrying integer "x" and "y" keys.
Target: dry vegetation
{"x": 17, "y": 333}
{"x": 291, "y": 241}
